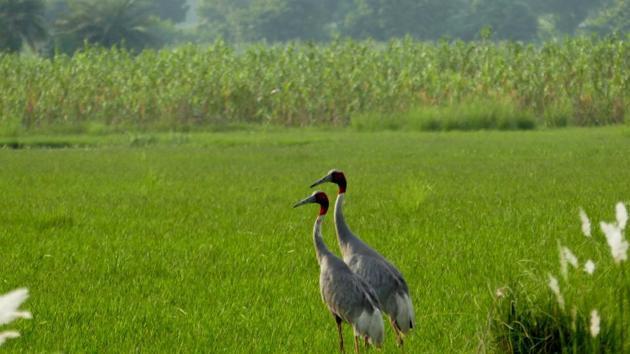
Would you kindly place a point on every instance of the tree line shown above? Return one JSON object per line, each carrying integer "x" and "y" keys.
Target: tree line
{"x": 49, "y": 26}
{"x": 66, "y": 25}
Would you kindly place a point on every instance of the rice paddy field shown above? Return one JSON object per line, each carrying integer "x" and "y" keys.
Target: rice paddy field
{"x": 188, "y": 242}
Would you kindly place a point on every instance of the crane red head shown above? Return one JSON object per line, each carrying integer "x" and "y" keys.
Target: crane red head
{"x": 334, "y": 176}
{"x": 318, "y": 198}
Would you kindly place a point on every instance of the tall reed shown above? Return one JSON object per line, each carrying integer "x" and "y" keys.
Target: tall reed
{"x": 579, "y": 81}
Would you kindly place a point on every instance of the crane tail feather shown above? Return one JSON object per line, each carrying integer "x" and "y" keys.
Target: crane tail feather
{"x": 405, "y": 316}
{"x": 370, "y": 325}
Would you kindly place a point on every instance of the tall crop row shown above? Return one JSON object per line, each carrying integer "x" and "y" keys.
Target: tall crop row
{"x": 585, "y": 79}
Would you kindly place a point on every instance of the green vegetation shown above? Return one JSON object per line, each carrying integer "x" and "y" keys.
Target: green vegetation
{"x": 483, "y": 114}
{"x": 578, "y": 81}
{"x": 528, "y": 320}
{"x": 192, "y": 245}
{"x": 575, "y": 310}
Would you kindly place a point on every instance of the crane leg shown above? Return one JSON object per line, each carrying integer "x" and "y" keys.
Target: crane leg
{"x": 356, "y": 344}
{"x": 367, "y": 342}
{"x": 399, "y": 339}
{"x": 338, "y": 320}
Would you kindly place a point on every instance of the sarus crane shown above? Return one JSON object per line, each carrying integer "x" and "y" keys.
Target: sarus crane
{"x": 348, "y": 297}
{"x": 388, "y": 283}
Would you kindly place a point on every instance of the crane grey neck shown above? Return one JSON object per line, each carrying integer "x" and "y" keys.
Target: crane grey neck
{"x": 345, "y": 237}
{"x": 320, "y": 247}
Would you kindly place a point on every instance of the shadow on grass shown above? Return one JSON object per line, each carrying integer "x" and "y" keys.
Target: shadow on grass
{"x": 17, "y": 145}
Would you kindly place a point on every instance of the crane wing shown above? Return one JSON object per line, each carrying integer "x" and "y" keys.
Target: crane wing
{"x": 345, "y": 294}
{"x": 380, "y": 274}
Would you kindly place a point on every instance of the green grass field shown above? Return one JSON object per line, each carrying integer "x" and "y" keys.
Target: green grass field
{"x": 188, "y": 243}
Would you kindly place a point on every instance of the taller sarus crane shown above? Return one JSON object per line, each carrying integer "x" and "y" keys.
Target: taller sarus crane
{"x": 388, "y": 283}
{"x": 348, "y": 297}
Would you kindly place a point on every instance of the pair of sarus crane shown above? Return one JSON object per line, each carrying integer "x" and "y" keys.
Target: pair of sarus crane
{"x": 364, "y": 284}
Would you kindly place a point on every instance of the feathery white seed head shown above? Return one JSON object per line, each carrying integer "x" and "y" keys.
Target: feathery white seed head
{"x": 9, "y": 304}
{"x": 589, "y": 267}
{"x": 553, "y": 284}
{"x": 614, "y": 237}
{"x": 8, "y": 335}
{"x": 586, "y": 223}
{"x": 555, "y": 288}
{"x": 564, "y": 265}
{"x": 622, "y": 215}
{"x": 594, "y": 323}
{"x": 570, "y": 257}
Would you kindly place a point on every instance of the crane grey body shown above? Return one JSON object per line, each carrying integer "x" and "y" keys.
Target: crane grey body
{"x": 348, "y": 297}
{"x": 388, "y": 283}
{"x": 390, "y": 286}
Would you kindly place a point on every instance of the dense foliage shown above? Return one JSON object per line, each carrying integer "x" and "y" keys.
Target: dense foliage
{"x": 250, "y": 20}
{"x": 109, "y": 23}
{"x": 70, "y": 23}
{"x": 47, "y": 26}
{"x": 21, "y": 21}
{"x": 578, "y": 81}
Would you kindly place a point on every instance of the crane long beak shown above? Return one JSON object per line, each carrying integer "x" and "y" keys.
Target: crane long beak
{"x": 308, "y": 200}
{"x": 327, "y": 178}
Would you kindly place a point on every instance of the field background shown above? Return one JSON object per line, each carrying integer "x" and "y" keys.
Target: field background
{"x": 188, "y": 242}
{"x": 148, "y": 169}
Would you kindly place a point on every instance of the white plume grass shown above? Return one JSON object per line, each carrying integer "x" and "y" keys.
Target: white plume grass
{"x": 570, "y": 257}
{"x": 564, "y": 265}
{"x": 9, "y": 304}
{"x": 8, "y": 335}
{"x": 586, "y": 223}
{"x": 555, "y": 288}
{"x": 9, "y": 311}
{"x": 622, "y": 215}
{"x": 589, "y": 267}
{"x": 595, "y": 320}
{"x": 500, "y": 292}
{"x": 616, "y": 241}
{"x": 566, "y": 257}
